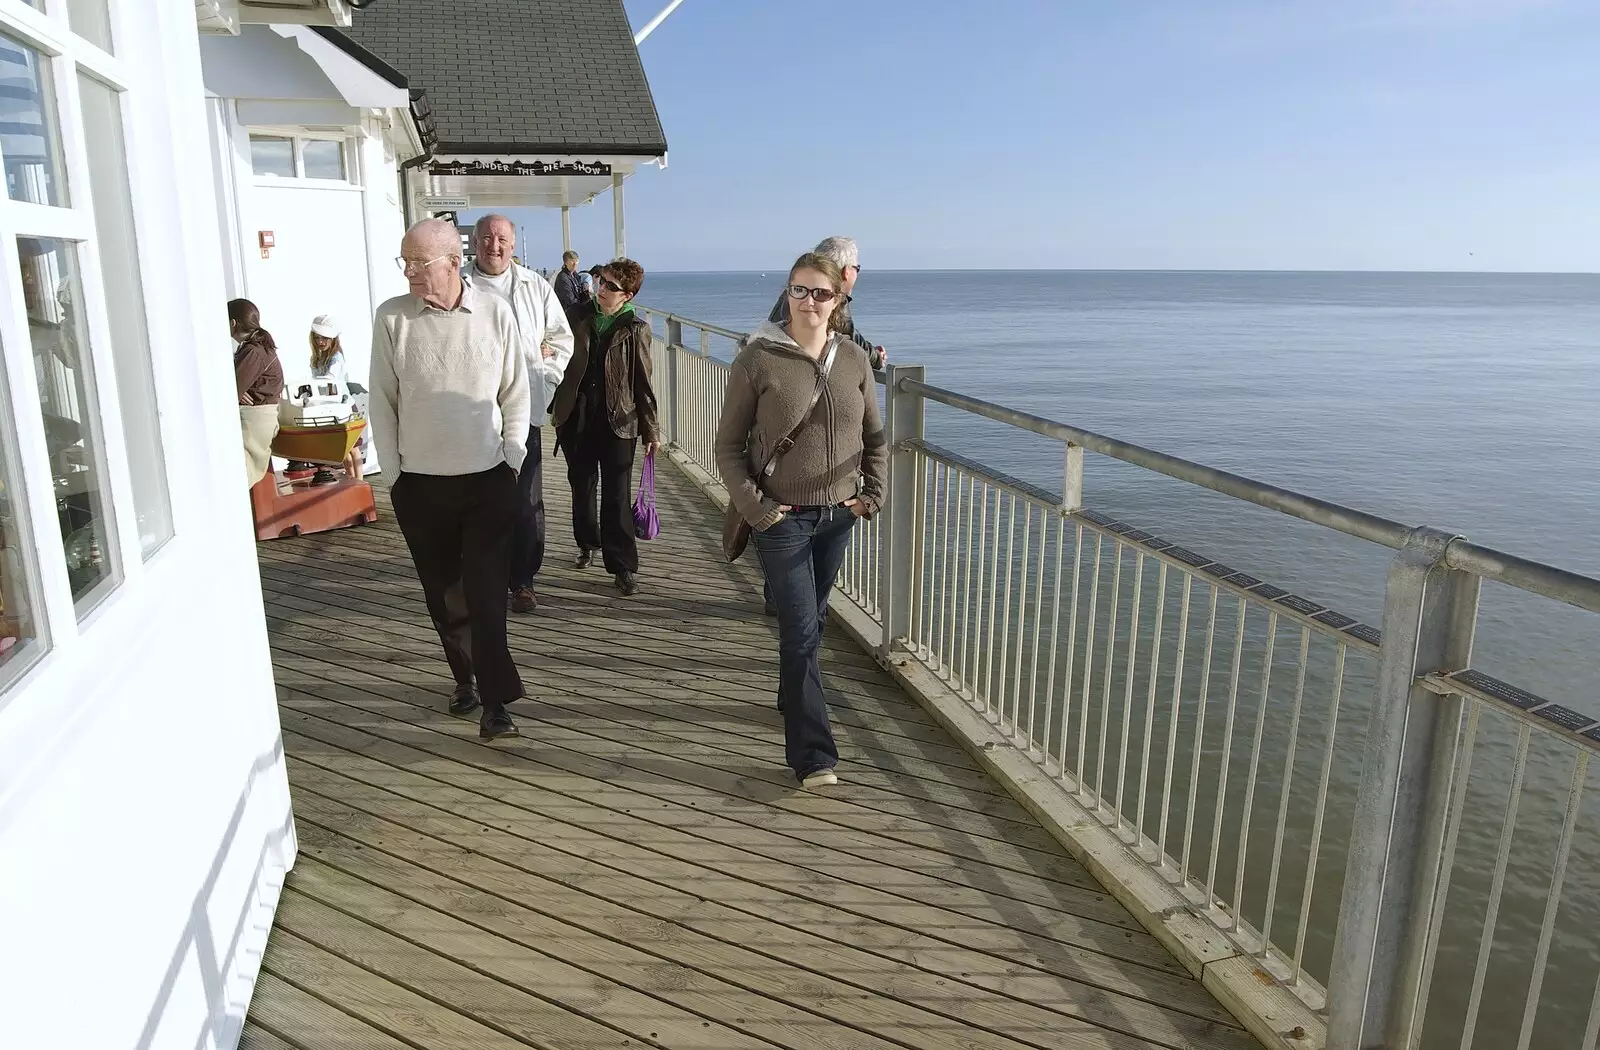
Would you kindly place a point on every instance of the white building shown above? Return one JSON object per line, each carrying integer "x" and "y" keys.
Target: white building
{"x": 145, "y": 822}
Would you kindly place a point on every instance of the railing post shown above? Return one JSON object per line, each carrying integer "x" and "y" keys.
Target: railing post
{"x": 1408, "y": 768}
{"x": 1072, "y": 480}
{"x": 901, "y": 532}
{"x": 674, "y": 341}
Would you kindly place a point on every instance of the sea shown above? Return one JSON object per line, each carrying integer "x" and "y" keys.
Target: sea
{"x": 1465, "y": 401}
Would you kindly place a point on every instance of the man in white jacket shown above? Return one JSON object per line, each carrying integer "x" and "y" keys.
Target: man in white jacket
{"x": 546, "y": 342}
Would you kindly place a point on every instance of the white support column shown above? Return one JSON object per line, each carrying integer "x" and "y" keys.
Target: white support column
{"x": 620, "y": 235}
{"x": 566, "y": 229}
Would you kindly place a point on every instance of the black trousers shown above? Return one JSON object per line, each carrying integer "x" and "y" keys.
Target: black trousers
{"x": 527, "y": 535}
{"x": 458, "y": 528}
{"x": 597, "y": 458}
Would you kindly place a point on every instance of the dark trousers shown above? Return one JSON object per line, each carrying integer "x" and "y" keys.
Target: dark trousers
{"x": 597, "y": 458}
{"x": 800, "y": 557}
{"x": 527, "y": 536}
{"x": 459, "y": 531}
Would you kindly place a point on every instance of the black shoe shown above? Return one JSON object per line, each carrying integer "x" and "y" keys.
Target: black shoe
{"x": 586, "y": 558}
{"x": 627, "y": 583}
{"x": 495, "y": 723}
{"x": 770, "y": 609}
{"x": 464, "y": 700}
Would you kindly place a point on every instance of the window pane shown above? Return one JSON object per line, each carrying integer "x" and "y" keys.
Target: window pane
{"x": 269, "y": 156}
{"x": 30, "y": 136}
{"x": 130, "y": 336}
{"x": 91, "y": 19}
{"x": 54, "y": 297}
{"x": 21, "y": 637}
{"x": 323, "y": 159}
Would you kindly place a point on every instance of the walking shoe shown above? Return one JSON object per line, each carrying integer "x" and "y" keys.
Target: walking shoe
{"x": 464, "y": 700}
{"x": 495, "y": 723}
{"x": 819, "y": 778}
{"x": 627, "y": 583}
{"x": 770, "y": 609}
{"x": 523, "y": 600}
{"x": 586, "y": 558}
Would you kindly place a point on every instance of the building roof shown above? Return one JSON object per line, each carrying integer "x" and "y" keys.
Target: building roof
{"x": 570, "y": 77}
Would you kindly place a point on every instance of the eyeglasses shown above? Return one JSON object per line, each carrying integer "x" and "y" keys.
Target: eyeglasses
{"x": 608, "y": 284}
{"x": 409, "y": 266}
{"x": 821, "y": 295}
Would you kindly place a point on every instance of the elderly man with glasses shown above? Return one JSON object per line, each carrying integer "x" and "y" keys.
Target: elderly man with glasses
{"x": 449, "y": 409}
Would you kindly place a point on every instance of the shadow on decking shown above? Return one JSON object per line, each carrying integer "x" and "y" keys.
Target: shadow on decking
{"x": 639, "y": 868}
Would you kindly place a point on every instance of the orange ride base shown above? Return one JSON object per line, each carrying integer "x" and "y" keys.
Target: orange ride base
{"x": 284, "y": 508}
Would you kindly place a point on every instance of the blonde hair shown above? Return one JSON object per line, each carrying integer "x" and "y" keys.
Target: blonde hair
{"x": 321, "y": 360}
{"x": 835, "y": 274}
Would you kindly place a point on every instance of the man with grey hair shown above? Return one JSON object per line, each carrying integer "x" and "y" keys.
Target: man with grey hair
{"x": 545, "y": 337}
{"x": 845, "y": 253}
{"x": 449, "y": 409}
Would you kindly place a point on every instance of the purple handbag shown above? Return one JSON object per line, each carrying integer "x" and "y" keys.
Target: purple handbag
{"x": 646, "y": 525}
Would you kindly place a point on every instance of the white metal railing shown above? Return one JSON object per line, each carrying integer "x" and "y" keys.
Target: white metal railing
{"x": 1369, "y": 817}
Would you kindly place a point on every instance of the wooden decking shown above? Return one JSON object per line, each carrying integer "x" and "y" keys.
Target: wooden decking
{"x": 638, "y": 869}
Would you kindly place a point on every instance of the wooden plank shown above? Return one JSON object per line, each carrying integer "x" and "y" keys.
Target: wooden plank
{"x": 393, "y": 893}
{"x": 792, "y": 833}
{"x": 307, "y": 1022}
{"x": 426, "y": 1023}
{"x": 502, "y": 984}
{"x": 824, "y": 953}
{"x": 620, "y": 729}
{"x": 384, "y": 668}
{"x": 254, "y": 1037}
{"x": 751, "y": 675}
{"x": 791, "y": 903}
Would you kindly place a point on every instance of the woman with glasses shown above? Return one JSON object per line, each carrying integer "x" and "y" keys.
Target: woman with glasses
{"x": 801, "y": 449}
{"x": 605, "y": 406}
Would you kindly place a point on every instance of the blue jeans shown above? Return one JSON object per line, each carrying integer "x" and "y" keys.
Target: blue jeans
{"x": 800, "y": 557}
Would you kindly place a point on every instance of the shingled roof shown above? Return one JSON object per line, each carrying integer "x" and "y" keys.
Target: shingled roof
{"x": 569, "y": 77}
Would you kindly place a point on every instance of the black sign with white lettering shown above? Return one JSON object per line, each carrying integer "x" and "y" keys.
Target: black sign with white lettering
{"x": 519, "y": 167}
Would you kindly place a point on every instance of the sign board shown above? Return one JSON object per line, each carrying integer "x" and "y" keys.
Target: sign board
{"x": 445, "y": 203}
{"x": 521, "y": 167}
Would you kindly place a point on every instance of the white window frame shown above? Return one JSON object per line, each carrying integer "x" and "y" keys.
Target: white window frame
{"x": 61, "y": 622}
{"x": 298, "y": 137}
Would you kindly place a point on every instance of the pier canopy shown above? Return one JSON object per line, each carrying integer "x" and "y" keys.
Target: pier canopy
{"x": 531, "y": 103}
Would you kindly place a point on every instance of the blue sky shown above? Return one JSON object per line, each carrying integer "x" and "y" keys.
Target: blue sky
{"x": 1231, "y": 134}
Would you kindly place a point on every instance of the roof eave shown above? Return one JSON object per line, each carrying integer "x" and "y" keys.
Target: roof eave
{"x": 651, "y": 151}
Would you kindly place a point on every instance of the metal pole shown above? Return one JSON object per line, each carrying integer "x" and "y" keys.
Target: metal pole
{"x": 1072, "y": 480}
{"x": 902, "y": 526}
{"x": 674, "y": 341}
{"x": 619, "y": 235}
{"x": 566, "y": 228}
{"x": 1408, "y": 763}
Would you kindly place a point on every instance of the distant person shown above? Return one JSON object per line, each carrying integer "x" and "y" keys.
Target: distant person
{"x": 569, "y": 286}
{"x": 327, "y": 362}
{"x": 847, "y": 256}
{"x": 258, "y": 375}
{"x": 327, "y": 355}
{"x": 806, "y": 387}
{"x": 605, "y": 406}
{"x": 545, "y": 337}
{"x": 450, "y": 411}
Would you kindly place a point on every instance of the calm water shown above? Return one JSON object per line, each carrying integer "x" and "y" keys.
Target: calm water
{"x": 1465, "y": 401}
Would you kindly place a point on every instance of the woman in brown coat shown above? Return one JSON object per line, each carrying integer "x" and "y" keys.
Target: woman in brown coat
{"x": 603, "y": 408}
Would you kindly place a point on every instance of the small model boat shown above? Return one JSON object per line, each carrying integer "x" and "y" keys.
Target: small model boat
{"x": 320, "y": 423}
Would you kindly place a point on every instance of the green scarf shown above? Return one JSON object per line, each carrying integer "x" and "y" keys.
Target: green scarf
{"x": 603, "y": 321}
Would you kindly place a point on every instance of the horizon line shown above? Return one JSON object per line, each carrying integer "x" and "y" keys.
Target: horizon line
{"x": 1169, "y": 270}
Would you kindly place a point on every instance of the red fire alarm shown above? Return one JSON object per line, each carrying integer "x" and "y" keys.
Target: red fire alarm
{"x": 267, "y": 242}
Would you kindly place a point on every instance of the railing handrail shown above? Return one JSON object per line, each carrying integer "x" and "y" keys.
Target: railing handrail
{"x": 1550, "y": 581}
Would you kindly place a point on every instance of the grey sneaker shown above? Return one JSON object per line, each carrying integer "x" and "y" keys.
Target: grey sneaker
{"x": 819, "y": 779}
